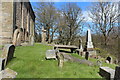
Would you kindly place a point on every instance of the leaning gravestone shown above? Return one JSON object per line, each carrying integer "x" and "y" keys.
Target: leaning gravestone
{"x": 8, "y": 52}
{"x": 7, "y": 55}
{"x": 51, "y": 54}
{"x": 60, "y": 59}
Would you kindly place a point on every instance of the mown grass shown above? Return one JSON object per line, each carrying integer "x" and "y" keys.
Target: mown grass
{"x": 0, "y": 49}
{"x": 29, "y": 62}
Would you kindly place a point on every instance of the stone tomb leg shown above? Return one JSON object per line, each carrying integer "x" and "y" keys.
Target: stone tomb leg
{"x": 72, "y": 50}
{"x": 117, "y": 73}
{"x": 86, "y": 55}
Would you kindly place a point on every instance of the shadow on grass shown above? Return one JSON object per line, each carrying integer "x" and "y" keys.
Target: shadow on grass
{"x": 65, "y": 51}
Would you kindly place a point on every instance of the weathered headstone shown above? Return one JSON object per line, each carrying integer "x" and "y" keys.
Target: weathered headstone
{"x": 51, "y": 54}
{"x": 60, "y": 59}
{"x": 87, "y": 55}
{"x": 99, "y": 63}
{"x": 8, "y": 52}
{"x": 79, "y": 51}
{"x": 43, "y": 35}
{"x": 109, "y": 59}
{"x": 117, "y": 73}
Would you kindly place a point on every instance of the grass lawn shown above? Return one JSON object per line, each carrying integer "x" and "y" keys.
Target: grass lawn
{"x": 0, "y": 49}
{"x": 29, "y": 62}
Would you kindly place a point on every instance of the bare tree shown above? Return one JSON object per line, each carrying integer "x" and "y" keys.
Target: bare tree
{"x": 104, "y": 16}
{"x": 73, "y": 19}
{"x": 46, "y": 17}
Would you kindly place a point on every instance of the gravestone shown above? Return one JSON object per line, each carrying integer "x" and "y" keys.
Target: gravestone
{"x": 99, "y": 63}
{"x": 51, "y": 54}
{"x": 80, "y": 50}
{"x": 109, "y": 59}
{"x": 87, "y": 55}
{"x": 60, "y": 59}
{"x": 117, "y": 73}
{"x": 7, "y": 55}
{"x": 43, "y": 35}
{"x": 8, "y": 52}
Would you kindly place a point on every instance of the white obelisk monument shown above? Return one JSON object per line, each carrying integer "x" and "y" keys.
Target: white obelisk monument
{"x": 89, "y": 43}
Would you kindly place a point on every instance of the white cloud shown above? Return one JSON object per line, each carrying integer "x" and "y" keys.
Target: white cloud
{"x": 86, "y": 15}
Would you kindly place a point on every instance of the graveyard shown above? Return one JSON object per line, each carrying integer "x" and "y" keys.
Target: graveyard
{"x": 65, "y": 40}
{"x": 30, "y": 62}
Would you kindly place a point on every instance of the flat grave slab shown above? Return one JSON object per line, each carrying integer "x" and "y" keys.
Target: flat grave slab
{"x": 71, "y": 47}
{"x": 8, "y": 73}
{"x": 107, "y": 72}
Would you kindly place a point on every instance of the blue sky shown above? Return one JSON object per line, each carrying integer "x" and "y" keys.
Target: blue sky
{"x": 82, "y": 5}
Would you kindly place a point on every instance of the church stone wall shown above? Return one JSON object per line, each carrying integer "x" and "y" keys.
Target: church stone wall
{"x": 0, "y": 23}
{"x": 19, "y": 15}
{"x": 7, "y": 22}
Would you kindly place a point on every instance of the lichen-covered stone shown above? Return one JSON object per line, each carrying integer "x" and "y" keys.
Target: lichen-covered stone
{"x": 8, "y": 73}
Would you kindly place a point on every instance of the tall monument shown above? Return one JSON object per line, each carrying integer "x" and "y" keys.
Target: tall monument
{"x": 43, "y": 35}
{"x": 89, "y": 43}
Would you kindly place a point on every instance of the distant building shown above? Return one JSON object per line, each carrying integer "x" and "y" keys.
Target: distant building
{"x": 17, "y": 23}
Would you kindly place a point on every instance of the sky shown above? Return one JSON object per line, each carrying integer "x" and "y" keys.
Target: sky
{"x": 82, "y": 5}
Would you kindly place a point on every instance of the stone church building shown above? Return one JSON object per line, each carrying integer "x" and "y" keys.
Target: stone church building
{"x": 17, "y": 23}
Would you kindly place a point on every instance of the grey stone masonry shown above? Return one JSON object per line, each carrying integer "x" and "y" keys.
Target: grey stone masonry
{"x": 7, "y": 73}
{"x": 14, "y": 16}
